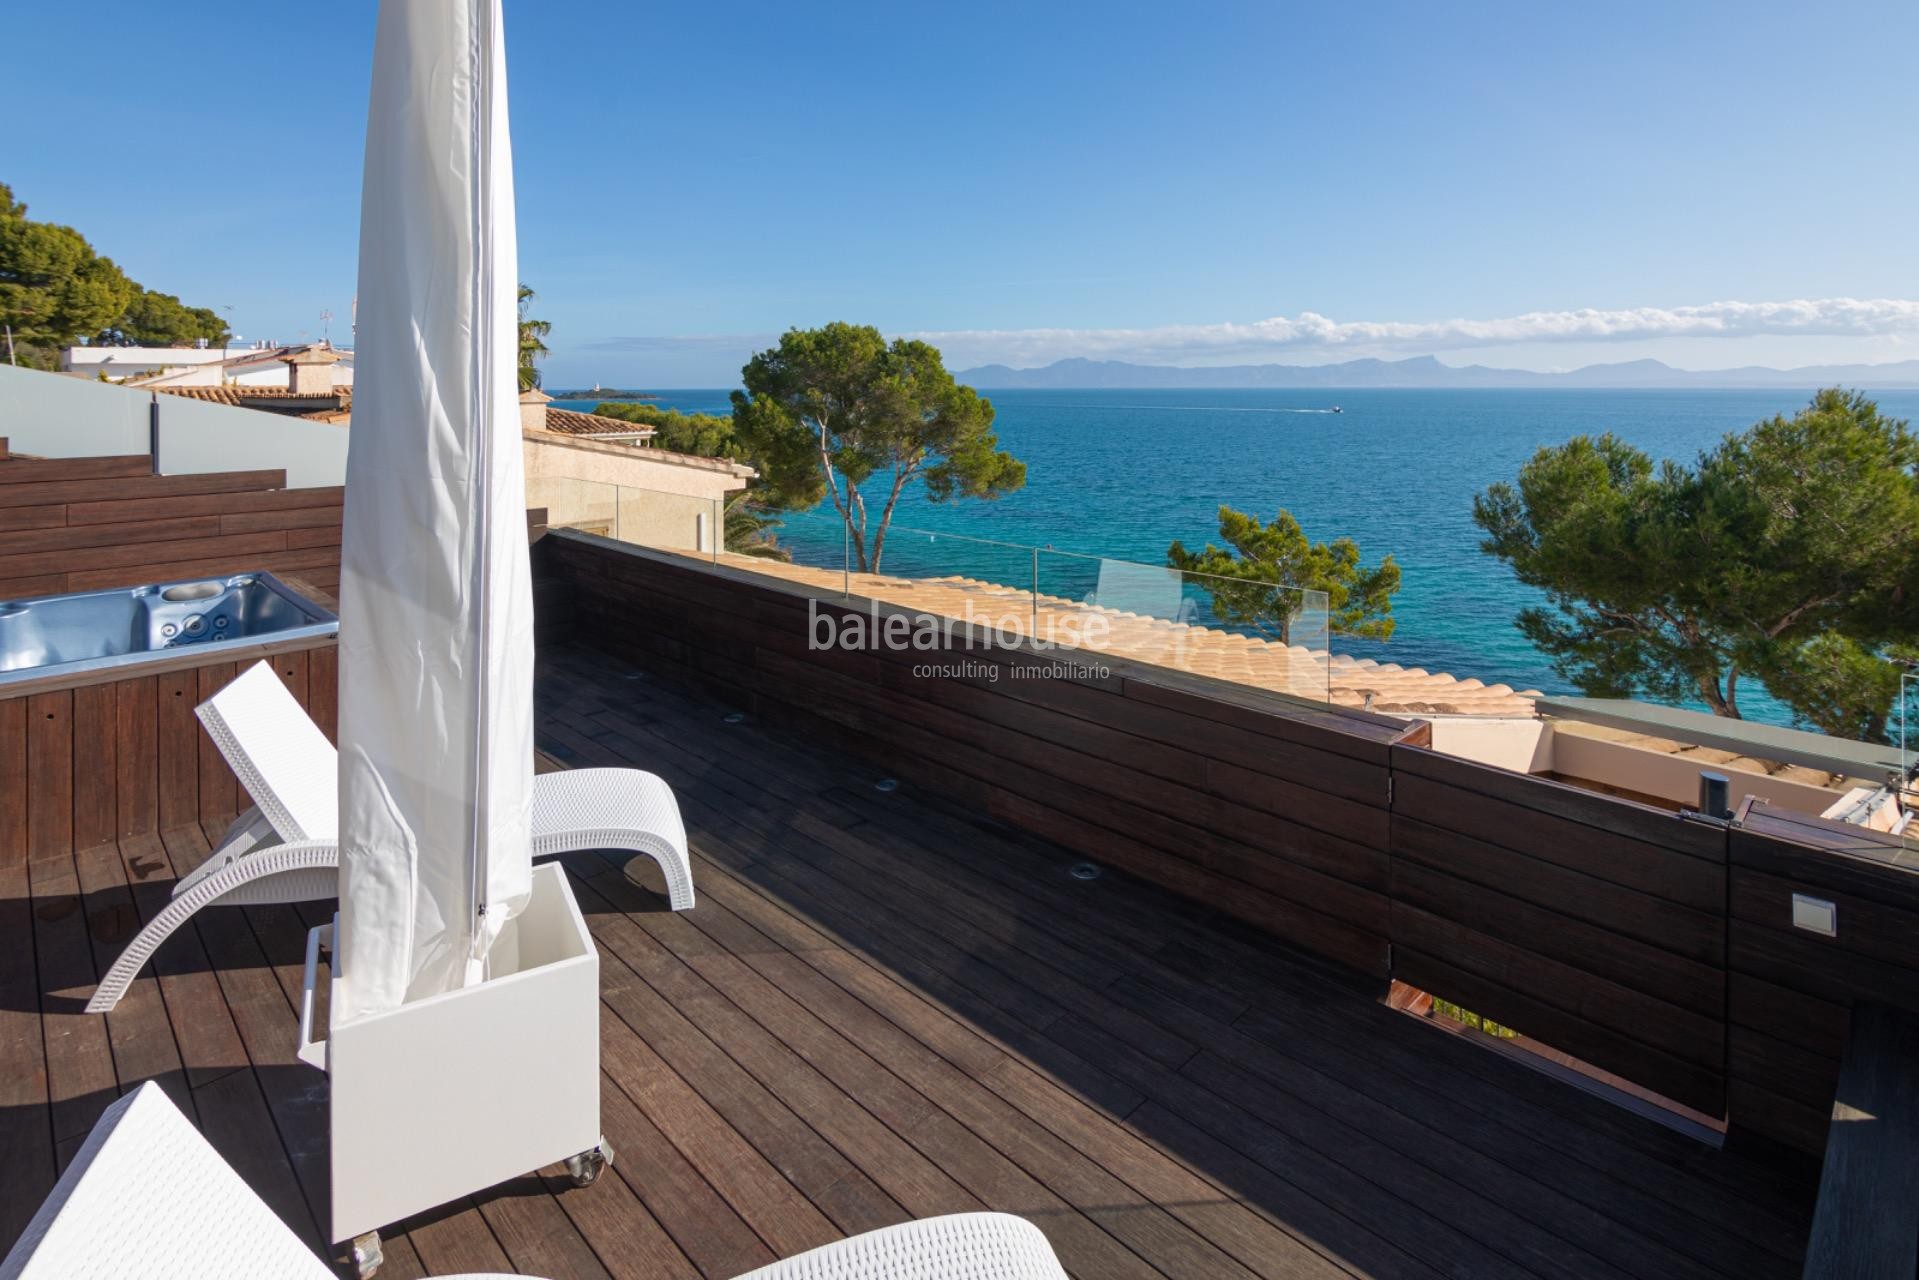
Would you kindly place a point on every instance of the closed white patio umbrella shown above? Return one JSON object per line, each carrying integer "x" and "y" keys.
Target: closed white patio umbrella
{"x": 436, "y": 610}
{"x": 464, "y": 1041}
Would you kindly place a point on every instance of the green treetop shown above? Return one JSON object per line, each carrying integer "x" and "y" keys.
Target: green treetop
{"x": 533, "y": 335}
{"x": 1789, "y": 553}
{"x": 832, "y": 411}
{"x": 1248, "y": 577}
{"x": 703, "y": 435}
{"x": 55, "y": 290}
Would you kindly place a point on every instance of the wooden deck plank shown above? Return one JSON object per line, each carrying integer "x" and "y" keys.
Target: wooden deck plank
{"x": 1147, "y": 1227}
{"x": 840, "y": 1189}
{"x": 889, "y": 1161}
{"x": 962, "y": 1152}
{"x": 26, "y": 1119}
{"x": 1867, "y": 1221}
{"x": 1258, "y": 1243}
{"x": 138, "y": 1032}
{"x": 80, "y": 1076}
{"x": 294, "y": 1093}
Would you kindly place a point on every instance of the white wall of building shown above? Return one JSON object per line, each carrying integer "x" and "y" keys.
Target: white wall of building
{"x": 191, "y": 366}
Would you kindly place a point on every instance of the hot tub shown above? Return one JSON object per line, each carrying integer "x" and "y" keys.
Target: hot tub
{"x": 108, "y": 630}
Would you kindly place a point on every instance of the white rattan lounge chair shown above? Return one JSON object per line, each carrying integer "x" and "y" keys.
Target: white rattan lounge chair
{"x": 147, "y": 1199}
{"x": 286, "y": 848}
{"x": 960, "y": 1246}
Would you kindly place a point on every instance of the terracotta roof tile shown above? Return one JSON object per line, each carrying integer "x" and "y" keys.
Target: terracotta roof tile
{"x": 232, "y": 394}
{"x": 568, "y": 422}
{"x": 324, "y": 406}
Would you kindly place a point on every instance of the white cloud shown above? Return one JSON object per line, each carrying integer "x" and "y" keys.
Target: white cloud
{"x": 1311, "y": 333}
{"x": 1772, "y": 332}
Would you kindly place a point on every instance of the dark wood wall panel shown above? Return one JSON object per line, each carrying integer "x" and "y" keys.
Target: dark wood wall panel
{"x": 137, "y": 755}
{"x": 85, "y": 766}
{"x": 90, "y": 524}
{"x": 96, "y": 771}
{"x": 39, "y": 470}
{"x": 1792, "y": 990}
{"x": 13, "y": 782}
{"x": 1587, "y": 922}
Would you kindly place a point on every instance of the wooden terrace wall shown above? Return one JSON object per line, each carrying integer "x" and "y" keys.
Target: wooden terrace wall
{"x": 1592, "y": 924}
{"x": 91, "y": 764}
{"x": 89, "y": 524}
{"x": 1649, "y": 946}
{"x": 1791, "y": 991}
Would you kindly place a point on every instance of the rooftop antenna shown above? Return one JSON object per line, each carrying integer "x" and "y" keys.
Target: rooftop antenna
{"x": 326, "y": 327}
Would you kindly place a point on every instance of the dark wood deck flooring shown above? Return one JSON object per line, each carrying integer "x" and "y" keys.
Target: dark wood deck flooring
{"x": 882, "y": 1009}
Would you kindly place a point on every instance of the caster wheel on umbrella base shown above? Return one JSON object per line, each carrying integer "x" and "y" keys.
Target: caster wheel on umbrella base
{"x": 366, "y": 1255}
{"x": 585, "y": 1168}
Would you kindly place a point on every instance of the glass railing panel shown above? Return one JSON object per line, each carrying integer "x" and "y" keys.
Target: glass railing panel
{"x": 51, "y": 415}
{"x": 806, "y": 547}
{"x": 586, "y": 505}
{"x": 197, "y": 438}
{"x": 974, "y": 581}
{"x": 686, "y": 524}
{"x": 1252, "y": 633}
{"x": 1258, "y": 634}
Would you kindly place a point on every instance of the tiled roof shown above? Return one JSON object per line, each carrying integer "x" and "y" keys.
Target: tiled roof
{"x": 320, "y": 406}
{"x": 240, "y": 395}
{"x": 1224, "y": 655}
{"x": 567, "y": 422}
{"x": 258, "y": 357}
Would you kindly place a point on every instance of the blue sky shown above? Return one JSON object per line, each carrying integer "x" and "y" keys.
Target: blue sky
{"x": 1038, "y": 180}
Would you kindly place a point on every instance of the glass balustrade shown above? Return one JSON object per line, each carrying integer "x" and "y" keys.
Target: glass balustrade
{"x": 1260, "y": 634}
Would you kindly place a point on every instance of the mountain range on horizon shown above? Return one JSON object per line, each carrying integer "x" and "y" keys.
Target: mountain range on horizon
{"x": 1427, "y": 372}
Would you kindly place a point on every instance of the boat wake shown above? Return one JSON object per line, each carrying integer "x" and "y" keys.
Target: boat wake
{"x": 1191, "y": 408}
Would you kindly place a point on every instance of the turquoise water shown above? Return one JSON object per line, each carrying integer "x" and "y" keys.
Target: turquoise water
{"x": 1124, "y": 473}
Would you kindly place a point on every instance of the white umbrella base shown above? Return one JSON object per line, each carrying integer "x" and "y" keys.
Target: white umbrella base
{"x": 458, "y": 1092}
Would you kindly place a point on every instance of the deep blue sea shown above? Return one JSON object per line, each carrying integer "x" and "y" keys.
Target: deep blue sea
{"x": 1124, "y": 473}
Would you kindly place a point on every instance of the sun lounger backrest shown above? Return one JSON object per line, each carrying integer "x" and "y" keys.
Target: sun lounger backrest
{"x": 281, "y": 757}
{"x": 146, "y": 1196}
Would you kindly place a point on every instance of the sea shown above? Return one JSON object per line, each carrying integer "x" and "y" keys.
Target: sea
{"x": 1123, "y": 474}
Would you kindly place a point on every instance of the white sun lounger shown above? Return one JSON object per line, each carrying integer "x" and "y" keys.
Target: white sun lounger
{"x": 147, "y": 1199}
{"x": 287, "y": 850}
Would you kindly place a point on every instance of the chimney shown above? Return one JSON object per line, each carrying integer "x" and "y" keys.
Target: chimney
{"x": 533, "y": 409}
{"x": 310, "y": 371}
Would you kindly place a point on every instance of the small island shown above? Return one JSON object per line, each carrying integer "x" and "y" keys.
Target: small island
{"x": 602, "y": 393}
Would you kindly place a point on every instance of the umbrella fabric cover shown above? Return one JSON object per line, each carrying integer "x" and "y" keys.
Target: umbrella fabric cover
{"x": 436, "y": 611}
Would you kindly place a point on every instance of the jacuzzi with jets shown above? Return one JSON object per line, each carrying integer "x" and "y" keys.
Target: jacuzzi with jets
{"x": 101, "y": 630}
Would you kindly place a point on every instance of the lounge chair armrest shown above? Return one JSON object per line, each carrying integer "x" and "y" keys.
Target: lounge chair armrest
{"x": 959, "y": 1246}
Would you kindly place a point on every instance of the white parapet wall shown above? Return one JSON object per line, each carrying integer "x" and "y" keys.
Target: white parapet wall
{"x": 1578, "y": 755}
{"x": 1520, "y": 743}
{"x": 54, "y": 415}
